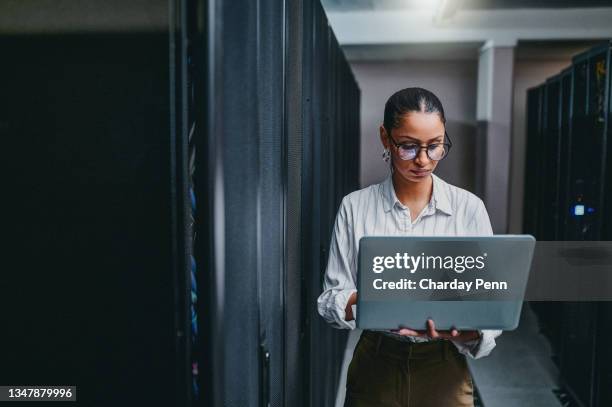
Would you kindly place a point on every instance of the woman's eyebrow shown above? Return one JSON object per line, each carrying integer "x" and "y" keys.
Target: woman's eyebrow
{"x": 403, "y": 136}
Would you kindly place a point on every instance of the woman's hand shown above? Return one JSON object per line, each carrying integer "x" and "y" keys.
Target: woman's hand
{"x": 431, "y": 332}
{"x": 348, "y": 310}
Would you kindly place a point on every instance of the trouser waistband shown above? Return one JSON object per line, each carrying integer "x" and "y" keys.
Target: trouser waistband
{"x": 437, "y": 349}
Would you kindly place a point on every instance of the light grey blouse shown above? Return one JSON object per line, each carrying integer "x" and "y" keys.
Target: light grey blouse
{"x": 375, "y": 210}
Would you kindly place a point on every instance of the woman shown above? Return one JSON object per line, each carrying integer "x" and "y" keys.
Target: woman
{"x": 405, "y": 367}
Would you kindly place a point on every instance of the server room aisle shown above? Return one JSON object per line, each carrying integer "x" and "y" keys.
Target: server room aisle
{"x": 519, "y": 371}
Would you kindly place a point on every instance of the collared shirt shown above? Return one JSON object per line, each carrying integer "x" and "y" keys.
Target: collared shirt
{"x": 375, "y": 210}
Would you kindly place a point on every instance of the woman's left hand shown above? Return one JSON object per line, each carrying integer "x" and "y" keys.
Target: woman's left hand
{"x": 431, "y": 332}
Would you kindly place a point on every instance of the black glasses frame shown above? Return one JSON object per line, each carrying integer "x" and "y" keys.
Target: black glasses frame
{"x": 425, "y": 146}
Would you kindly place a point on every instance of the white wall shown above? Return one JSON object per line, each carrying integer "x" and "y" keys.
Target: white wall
{"x": 454, "y": 82}
{"x": 527, "y": 74}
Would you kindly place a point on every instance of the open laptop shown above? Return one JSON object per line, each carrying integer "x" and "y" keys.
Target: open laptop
{"x": 475, "y": 282}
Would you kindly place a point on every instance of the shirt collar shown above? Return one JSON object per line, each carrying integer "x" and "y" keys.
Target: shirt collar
{"x": 439, "y": 196}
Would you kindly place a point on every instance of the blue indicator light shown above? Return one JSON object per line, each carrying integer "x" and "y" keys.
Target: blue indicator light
{"x": 590, "y": 210}
{"x": 578, "y": 210}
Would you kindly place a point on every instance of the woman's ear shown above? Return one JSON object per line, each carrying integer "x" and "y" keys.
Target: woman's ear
{"x": 383, "y": 137}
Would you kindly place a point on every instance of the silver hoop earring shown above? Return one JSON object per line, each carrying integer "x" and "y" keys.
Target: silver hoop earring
{"x": 386, "y": 155}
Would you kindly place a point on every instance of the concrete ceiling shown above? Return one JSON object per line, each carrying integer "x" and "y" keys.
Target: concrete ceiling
{"x": 463, "y": 51}
{"x": 353, "y": 5}
{"x": 413, "y": 52}
{"x": 507, "y": 4}
{"x": 453, "y": 21}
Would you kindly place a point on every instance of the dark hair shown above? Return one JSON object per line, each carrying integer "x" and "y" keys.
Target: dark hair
{"x": 410, "y": 100}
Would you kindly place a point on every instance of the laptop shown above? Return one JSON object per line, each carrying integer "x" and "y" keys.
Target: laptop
{"x": 467, "y": 283}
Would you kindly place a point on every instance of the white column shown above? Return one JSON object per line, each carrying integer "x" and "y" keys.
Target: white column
{"x": 494, "y": 114}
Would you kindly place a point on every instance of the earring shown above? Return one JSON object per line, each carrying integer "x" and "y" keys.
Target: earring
{"x": 386, "y": 154}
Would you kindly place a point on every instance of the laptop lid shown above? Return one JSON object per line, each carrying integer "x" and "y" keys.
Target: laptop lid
{"x": 475, "y": 282}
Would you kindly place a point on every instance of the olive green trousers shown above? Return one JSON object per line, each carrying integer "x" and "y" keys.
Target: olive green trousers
{"x": 385, "y": 372}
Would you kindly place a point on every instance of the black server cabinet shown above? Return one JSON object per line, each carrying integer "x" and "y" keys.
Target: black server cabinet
{"x": 542, "y": 179}
{"x": 586, "y": 202}
{"x": 603, "y": 357}
{"x": 580, "y": 169}
{"x": 330, "y": 168}
{"x": 585, "y": 322}
{"x": 576, "y": 368}
{"x": 532, "y": 162}
{"x": 327, "y": 342}
{"x": 552, "y": 318}
{"x": 276, "y": 110}
{"x": 271, "y": 122}
{"x": 550, "y": 160}
{"x": 97, "y": 292}
{"x": 239, "y": 113}
{"x": 566, "y": 95}
{"x": 587, "y": 186}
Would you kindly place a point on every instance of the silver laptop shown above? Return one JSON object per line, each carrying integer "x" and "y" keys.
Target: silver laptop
{"x": 475, "y": 282}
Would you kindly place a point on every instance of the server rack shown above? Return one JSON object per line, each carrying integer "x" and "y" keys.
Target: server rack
{"x": 567, "y": 95}
{"x": 542, "y": 144}
{"x": 552, "y": 318}
{"x": 551, "y": 141}
{"x": 602, "y": 388}
{"x": 532, "y": 182}
{"x": 582, "y": 177}
{"x": 584, "y": 222}
{"x": 278, "y": 93}
{"x": 173, "y": 193}
{"x": 586, "y": 188}
{"x": 94, "y": 143}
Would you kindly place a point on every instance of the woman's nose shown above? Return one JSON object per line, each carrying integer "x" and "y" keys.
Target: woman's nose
{"x": 422, "y": 157}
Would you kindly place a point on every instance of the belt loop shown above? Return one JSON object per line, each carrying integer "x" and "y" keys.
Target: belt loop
{"x": 378, "y": 343}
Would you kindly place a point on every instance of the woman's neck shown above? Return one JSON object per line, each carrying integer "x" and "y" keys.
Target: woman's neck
{"x": 409, "y": 192}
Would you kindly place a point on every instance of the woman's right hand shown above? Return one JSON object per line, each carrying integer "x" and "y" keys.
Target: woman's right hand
{"x": 349, "y": 310}
{"x": 432, "y": 333}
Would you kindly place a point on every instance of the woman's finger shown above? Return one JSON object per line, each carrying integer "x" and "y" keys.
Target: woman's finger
{"x": 431, "y": 329}
{"x": 408, "y": 332}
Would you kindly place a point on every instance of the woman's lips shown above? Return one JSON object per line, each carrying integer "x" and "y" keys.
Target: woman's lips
{"x": 420, "y": 173}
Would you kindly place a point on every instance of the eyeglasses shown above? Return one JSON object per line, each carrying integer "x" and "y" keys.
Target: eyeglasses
{"x": 435, "y": 151}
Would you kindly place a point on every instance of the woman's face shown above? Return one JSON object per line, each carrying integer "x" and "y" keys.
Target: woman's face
{"x": 414, "y": 128}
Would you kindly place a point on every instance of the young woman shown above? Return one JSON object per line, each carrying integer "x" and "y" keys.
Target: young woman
{"x": 405, "y": 367}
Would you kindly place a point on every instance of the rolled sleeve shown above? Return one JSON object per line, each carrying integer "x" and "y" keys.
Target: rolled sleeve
{"x": 339, "y": 280}
{"x": 333, "y": 308}
{"x": 480, "y": 347}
